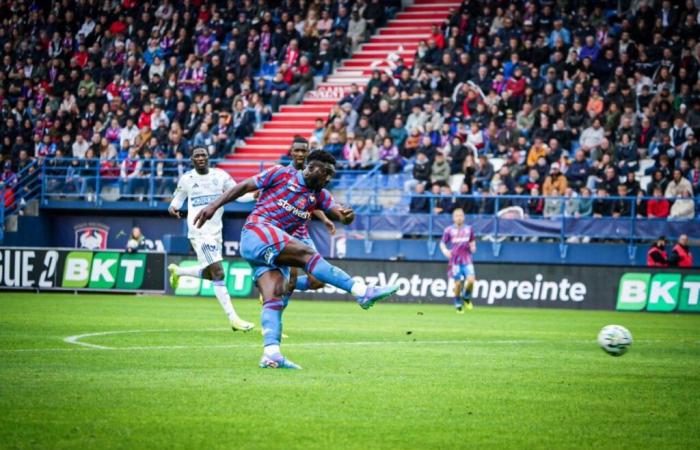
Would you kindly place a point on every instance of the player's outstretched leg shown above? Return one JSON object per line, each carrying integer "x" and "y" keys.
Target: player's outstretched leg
{"x": 176, "y": 272}
{"x": 299, "y": 255}
{"x": 272, "y": 287}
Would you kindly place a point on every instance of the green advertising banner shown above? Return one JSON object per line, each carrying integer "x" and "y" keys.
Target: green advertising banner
{"x": 132, "y": 267}
{"x": 104, "y": 270}
{"x": 239, "y": 280}
{"x": 77, "y": 270}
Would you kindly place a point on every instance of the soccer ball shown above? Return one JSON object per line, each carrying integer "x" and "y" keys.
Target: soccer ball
{"x": 614, "y": 340}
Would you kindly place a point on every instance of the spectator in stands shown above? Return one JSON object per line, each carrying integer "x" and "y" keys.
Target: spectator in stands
{"x": 683, "y": 207}
{"x": 678, "y": 185}
{"x": 420, "y": 203}
{"x": 680, "y": 254}
{"x": 602, "y": 206}
{"x": 137, "y": 241}
{"x": 622, "y": 205}
{"x": 389, "y": 156}
{"x": 553, "y": 204}
{"x": 422, "y": 168}
{"x": 554, "y": 181}
{"x": 447, "y": 202}
{"x": 536, "y": 203}
{"x": 465, "y": 200}
{"x": 658, "y": 207}
{"x": 656, "y": 255}
{"x": 440, "y": 170}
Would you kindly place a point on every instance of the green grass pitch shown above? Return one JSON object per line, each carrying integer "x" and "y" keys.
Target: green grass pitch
{"x": 167, "y": 373}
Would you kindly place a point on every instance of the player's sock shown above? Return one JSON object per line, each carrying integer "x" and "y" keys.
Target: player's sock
{"x": 271, "y": 350}
{"x": 271, "y": 321}
{"x": 302, "y": 283}
{"x": 193, "y": 271}
{"x": 458, "y": 301}
{"x": 467, "y": 293}
{"x": 330, "y": 274}
{"x": 224, "y": 299}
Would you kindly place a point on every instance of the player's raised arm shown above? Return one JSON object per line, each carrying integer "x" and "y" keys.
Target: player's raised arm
{"x": 232, "y": 194}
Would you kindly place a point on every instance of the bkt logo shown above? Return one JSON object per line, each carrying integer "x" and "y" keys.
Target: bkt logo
{"x": 104, "y": 270}
{"x": 239, "y": 280}
{"x": 660, "y": 292}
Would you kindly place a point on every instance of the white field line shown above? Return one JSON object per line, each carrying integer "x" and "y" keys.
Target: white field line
{"x": 77, "y": 342}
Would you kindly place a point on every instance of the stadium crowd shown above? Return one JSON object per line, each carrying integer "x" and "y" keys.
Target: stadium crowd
{"x": 133, "y": 84}
{"x": 575, "y": 101}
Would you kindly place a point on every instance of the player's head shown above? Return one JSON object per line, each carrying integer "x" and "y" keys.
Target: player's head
{"x": 200, "y": 159}
{"x": 458, "y": 217}
{"x": 299, "y": 151}
{"x": 320, "y": 169}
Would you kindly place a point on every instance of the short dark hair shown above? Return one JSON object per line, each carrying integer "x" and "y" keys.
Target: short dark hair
{"x": 300, "y": 141}
{"x": 199, "y": 147}
{"x": 321, "y": 156}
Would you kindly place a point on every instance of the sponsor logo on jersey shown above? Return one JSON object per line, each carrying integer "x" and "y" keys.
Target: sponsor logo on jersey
{"x": 203, "y": 200}
{"x": 284, "y": 204}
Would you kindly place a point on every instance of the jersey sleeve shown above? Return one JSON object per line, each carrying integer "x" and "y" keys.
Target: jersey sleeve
{"x": 180, "y": 193}
{"x": 269, "y": 177}
{"x": 228, "y": 182}
{"x": 446, "y": 236}
{"x": 325, "y": 200}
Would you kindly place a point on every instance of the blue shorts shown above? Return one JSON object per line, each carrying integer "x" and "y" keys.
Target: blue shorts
{"x": 261, "y": 244}
{"x": 460, "y": 272}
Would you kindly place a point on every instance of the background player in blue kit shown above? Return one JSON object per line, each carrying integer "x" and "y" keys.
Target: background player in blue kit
{"x": 287, "y": 199}
{"x": 458, "y": 245}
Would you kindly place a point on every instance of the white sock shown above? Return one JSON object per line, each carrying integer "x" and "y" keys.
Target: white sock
{"x": 359, "y": 289}
{"x": 224, "y": 299}
{"x": 271, "y": 350}
{"x": 193, "y": 271}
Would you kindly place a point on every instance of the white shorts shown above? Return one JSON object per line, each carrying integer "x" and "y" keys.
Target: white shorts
{"x": 208, "y": 250}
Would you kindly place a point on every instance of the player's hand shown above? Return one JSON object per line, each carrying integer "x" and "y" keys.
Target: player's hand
{"x": 203, "y": 215}
{"x": 348, "y": 214}
{"x": 176, "y": 213}
{"x": 330, "y": 226}
{"x": 447, "y": 253}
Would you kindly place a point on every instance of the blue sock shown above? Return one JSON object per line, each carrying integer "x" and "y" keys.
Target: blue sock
{"x": 271, "y": 321}
{"x": 458, "y": 301}
{"x": 329, "y": 274}
{"x": 467, "y": 294}
{"x": 302, "y": 283}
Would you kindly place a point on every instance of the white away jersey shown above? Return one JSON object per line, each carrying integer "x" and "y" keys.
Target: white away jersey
{"x": 200, "y": 190}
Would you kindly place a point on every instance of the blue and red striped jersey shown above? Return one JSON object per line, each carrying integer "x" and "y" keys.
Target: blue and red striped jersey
{"x": 285, "y": 201}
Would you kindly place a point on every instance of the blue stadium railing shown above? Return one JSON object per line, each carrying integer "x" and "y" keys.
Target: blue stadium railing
{"x": 88, "y": 185}
{"x": 382, "y": 204}
{"x": 510, "y": 216}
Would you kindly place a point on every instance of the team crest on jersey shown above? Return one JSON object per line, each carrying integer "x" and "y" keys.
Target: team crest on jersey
{"x": 312, "y": 199}
{"x": 195, "y": 186}
{"x": 215, "y": 182}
